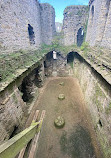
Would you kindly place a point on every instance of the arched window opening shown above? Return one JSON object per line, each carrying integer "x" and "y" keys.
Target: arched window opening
{"x": 92, "y": 11}
{"x": 80, "y": 37}
{"x": 31, "y": 34}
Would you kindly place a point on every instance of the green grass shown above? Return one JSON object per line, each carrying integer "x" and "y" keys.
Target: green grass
{"x": 98, "y": 95}
{"x": 108, "y": 109}
{"x": 10, "y": 63}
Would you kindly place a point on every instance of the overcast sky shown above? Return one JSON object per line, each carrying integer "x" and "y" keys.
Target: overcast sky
{"x": 60, "y": 5}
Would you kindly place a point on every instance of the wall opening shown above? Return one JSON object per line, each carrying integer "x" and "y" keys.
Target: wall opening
{"x": 38, "y": 81}
{"x": 48, "y": 64}
{"x": 15, "y": 129}
{"x": 31, "y": 83}
{"x": 100, "y": 123}
{"x": 31, "y": 34}
{"x": 26, "y": 88}
{"x": 80, "y": 37}
{"x": 70, "y": 57}
{"x": 92, "y": 11}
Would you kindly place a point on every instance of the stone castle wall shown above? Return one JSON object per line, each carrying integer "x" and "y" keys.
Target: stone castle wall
{"x": 11, "y": 112}
{"x": 99, "y": 23}
{"x": 47, "y": 23}
{"x": 20, "y": 18}
{"x": 97, "y": 96}
{"x": 75, "y": 18}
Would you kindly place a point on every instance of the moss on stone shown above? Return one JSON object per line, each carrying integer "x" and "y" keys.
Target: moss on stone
{"x": 62, "y": 84}
{"x": 104, "y": 145}
{"x": 61, "y": 97}
{"x": 108, "y": 109}
{"x": 97, "y": 97}
{"x": 59, "y": 122}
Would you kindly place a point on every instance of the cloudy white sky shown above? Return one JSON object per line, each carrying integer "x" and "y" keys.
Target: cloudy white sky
{"x": 60, "y": 5}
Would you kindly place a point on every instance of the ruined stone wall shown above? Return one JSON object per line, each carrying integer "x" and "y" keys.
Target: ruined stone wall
{"x": 97, "y": 94}
{"x": 25, "y": 24}
{"x": 15, "y": 15}
{"x": 17, "y": 100}
{"x": 99, "y": 23}
{"x": 47, "y": 23}
{"x": 11, "y": 112}
{"x": 75, "y": 17}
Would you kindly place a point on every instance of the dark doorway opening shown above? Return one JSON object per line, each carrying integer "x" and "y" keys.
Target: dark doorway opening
{"x": 70, "y": 57}
{"x": 26, "y": 88}
{"x": 31, "y": 34}
{"x": 80, "y": 37}
{"x": 14, "y": 132}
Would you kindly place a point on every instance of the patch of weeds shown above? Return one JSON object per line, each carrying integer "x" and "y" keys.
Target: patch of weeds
{"x": 102, "y": 68}
{"x": 108, "y": 109}
{"x": 106, "y": 149}
{"x": 97, "y": 97}
{"x": 85, "y": 48}
{"x": 71, "y": 64}
{"x": 98, "y": 91}
{"x": 10, "y": 63}
{"x": 62, "y": 84}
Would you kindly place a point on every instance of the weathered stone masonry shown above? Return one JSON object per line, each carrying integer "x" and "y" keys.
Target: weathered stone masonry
{"x": 20, "y": 24}
{"x": 99, "y": 23}
{"x": 47, "y": 23}
{"x": 14, "y": 109}
{"x": 97, "y": 95}
{"x": 75, "y": 18}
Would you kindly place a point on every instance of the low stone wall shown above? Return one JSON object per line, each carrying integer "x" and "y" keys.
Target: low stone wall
{"x": 97, "y": 95}
{"x": 17, "y": 100}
